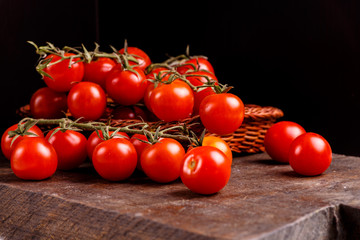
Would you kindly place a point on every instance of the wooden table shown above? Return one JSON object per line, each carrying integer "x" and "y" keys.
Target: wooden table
{"x": 263, "y": 200}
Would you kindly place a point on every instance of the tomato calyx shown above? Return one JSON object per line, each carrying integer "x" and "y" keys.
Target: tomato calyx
{"x": 22, "y": 130}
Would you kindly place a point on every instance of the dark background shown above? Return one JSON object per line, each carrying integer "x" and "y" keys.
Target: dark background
{"x": 299, "y": 56}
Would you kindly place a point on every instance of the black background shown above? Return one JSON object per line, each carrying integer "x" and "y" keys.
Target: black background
{"x": 299, "y": 56}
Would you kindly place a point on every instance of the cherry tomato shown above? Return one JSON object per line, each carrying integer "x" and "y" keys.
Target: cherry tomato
{"x": 203, "y": 92}
{"x": 222, "y": 113}
{"x": 94, "y": 140}
{"x": 46, "y": 103}
{"x": 63, "y": 77}
{"x": 96, "y": 71}
{"x": 34, "y": 159}
{"x": 156, "y": 71}
{"x": 218, "y": 143}
{"x": 6, "y": 140}
{"x": 142, "y": 58}
{"x": 205, "y": 170}
{"x": 70, "y": 147}
{"x": 87, "y": 100}
{"x": 129, "y": 112}
{"x": 310, "y": 154}
{"x": 172, "y": 102}
{"x": 279, "y": 137}
{"x": 126, "y": 87}
{"x": 115, "y": 159}
{"x": 147, "y": 95}
{"x": 139, "y": 146}
{"x": 199, "y": 63}
{"x": 161, "y": 162}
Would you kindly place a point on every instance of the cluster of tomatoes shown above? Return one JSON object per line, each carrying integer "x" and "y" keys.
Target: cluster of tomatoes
{"x": 170, "y": 93}
{"x": 308, "y": 153}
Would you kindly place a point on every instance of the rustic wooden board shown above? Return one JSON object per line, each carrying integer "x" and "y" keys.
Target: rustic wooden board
{"x": 263, "y": 200}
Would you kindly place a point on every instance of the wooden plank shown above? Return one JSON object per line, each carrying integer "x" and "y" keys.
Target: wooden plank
{"x": 263, "y": 200}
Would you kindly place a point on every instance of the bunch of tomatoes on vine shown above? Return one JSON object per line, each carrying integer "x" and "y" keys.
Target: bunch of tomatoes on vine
{"x": 85, "y": 87}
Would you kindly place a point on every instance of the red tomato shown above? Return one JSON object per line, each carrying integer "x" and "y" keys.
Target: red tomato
{"x": 125, "y": 87}
{"x": 140, "y": 55}
{"x": 87, "y": 100}
{"x": 147, "y": 95}
{"x": 156, "y": 71}
{"x": 139, "y": 146}
{"x": 310, "y": 154}
{"x": 34, "y": 159}
{"x": 129, "y": 112}
{"x": 115, "y": 159}
{"x": 94, "y": 140}
{"x": 6, "y": 140}
{"x": 218, "y": 143}
{"x": 279, "y": 137}
{"x": 172, "y": 102}
{"x": 63, "y": 77}
{"x": 222, "y": 113}
{"x": 70, "y": 147}
{"x": 205, "y": 170}
{"x": 46, "y": 103}
{"x": 199, "y": 63}
{"x": 96, "y": 71}
{"x": 203, "y": 92}
{"x": 161, "y": 162}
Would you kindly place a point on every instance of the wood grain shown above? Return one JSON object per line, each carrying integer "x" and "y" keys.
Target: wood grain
{"x": 263, "y": 200}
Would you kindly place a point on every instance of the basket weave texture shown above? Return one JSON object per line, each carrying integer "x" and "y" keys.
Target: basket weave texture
{"x": 248, "y": 138}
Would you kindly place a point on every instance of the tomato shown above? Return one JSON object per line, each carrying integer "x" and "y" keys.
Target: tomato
{"x": 202, "y": 92}
{"x": 199, "y": 63}
{"x": 205, "y": 170}
{"x": 222, "y": 113}
{"x": 279, "y": 137}
{"x": 115, "y": 159}
{"x": 94, "y": 140}
{"x": 129, "y": 112}
{"x": 147, "y": 95}
{"x": 87, "y": 100}
{"x": 139, "y": 146}
{"x": 46, "y": 103}
{"x": 156, "y": 71}
{"x": 172, "y": 102}
{"x": 70, "y": 147}
{"x": 97, "y": 70}
{"x": 142, "y": 58}
{"x": 310, "y": 154}
{"x": 218, "y": 143}
{"x": 126, "y": 87}
{"x": 6, "y": 140}
{"x": 161, "y": 162}
{"x": 34, "y": 159}
{"x": 63, "y": 77}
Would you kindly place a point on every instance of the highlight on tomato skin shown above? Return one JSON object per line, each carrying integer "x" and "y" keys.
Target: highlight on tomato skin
{"x": 310, "y": 154}
{"x": 205, "y": 170}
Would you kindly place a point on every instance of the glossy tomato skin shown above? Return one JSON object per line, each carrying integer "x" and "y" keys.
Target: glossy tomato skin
{"x": 34, "y": 159}
{"x": 63, "y": 77}
{"x": 172, "y": 102}
{"x": 96, "y": 71}
{"x": 279, "y": 137}
{"x": 70, "y": 147}
{"x": 222, "y": 113}
{"x": 6, "y": 140}
{"x": 203, "y": 92}
{"x": 87, "y": 100}
{"x": 310, "y": 154}
{"x": 115, "y": 159}
{"x": 143, "y": 59}
{"x": 199, "y": 63}
{"x": 139, "y": 146}
{"x": 95, "y": 140}
{"x": 46, "y": 103}
{"x": 205, "y": 170}
{"x": 126, "y": 87}
{"x": 218, "y": 143}
{"x": 162, "y": 161}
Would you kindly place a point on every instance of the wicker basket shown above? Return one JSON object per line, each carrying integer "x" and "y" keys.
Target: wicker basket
{"x": 249, "y": 138}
